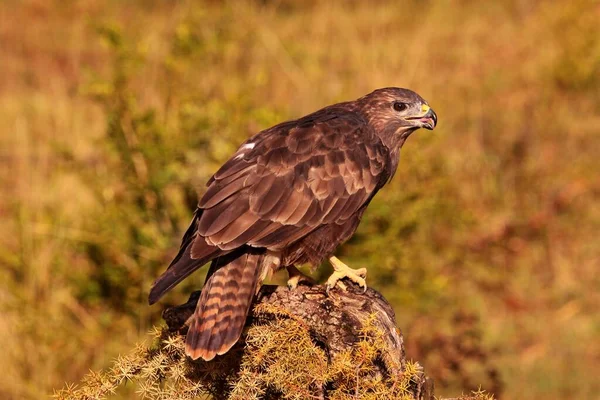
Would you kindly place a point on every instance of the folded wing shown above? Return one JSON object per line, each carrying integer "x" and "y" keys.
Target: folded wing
{"x": 281, "y": 185}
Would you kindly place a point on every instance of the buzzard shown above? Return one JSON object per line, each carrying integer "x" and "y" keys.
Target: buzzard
{"x": 289, "y": 195}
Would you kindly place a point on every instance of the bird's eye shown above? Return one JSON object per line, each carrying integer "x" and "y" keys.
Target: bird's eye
{"x": 399, "y": 106}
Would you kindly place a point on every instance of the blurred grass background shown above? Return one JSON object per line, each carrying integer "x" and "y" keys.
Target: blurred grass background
{"x": 114, "y": 114}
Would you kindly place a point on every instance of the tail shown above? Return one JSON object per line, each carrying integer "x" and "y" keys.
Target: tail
{"x": 223, "y": 306}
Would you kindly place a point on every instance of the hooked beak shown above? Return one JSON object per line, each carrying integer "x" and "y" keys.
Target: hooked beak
{"x": 428, "y": 120}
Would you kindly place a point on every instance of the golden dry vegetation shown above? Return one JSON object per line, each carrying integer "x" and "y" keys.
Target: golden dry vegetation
{"x": 280, "y": 360}
{"x": 113, "y": 114}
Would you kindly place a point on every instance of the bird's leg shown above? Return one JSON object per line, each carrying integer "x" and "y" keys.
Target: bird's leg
{"x": 296, "y": 277}
{"x": 341, "y": 270}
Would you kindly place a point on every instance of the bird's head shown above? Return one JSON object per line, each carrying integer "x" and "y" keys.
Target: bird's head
{"x": 395, "y": 113}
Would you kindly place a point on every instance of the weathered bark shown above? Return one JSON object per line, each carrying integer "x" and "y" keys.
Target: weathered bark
{"x": 299, "y": 344}
{"x": 337, "y": 322}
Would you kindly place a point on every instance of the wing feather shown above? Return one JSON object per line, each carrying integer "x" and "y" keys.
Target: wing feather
{"x": 283, "y": 184}
{"x": 305, "y": 201}
{"x": 219, "y": 192}
{"x": 272, "y": 191}
{"x": 218, "y": 217}
{"x": 231, "y": 167}
{"x": 289, "y": 180}
{"x": 233, "y": 230}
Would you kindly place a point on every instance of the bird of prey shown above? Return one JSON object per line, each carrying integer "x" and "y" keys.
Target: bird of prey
{"x": 290, "y": 195}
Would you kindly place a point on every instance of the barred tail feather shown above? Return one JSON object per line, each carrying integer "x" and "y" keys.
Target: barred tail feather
{"x": 223, "y": 306}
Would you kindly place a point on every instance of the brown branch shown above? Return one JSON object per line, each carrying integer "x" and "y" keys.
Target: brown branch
{"x": 298, "y": 344}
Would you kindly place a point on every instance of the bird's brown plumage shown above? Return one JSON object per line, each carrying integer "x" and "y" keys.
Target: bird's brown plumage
{"x": 295, "y": 191}
{"x": 224, "y": 303}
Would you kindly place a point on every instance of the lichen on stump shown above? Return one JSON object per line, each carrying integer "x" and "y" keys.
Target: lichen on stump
{"x": 298, "y": 344}
{"x": 305, "y": 343}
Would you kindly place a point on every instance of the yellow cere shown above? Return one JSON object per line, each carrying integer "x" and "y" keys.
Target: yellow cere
{"x": 425, "y": 108}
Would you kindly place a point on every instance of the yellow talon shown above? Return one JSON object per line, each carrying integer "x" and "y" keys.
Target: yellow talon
{"x": 296, "y": 277}
{"x": 341, "y": 271}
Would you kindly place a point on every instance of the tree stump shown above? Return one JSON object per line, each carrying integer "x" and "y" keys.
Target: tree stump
{"x": 298, "y": 344}
{"x": 307, "y": 343}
